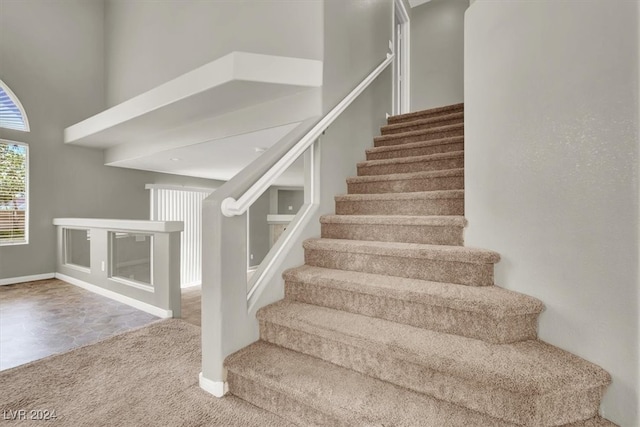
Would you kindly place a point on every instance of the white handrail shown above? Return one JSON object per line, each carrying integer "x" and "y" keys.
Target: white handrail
{"x": 232, "y": 207}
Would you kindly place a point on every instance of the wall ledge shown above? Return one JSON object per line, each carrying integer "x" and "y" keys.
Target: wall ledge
{"x": 122, "y": 224}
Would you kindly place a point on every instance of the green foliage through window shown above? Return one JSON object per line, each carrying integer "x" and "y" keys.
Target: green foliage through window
{"x": 13, "y": 192}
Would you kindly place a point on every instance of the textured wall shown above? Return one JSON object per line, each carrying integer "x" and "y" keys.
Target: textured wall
{"x": 437, "y": 53}
{"x": 151, "y": 42}
{"x": 551, "y": 171}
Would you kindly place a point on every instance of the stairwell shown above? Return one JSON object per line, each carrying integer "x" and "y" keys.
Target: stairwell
{"x": 393, "y": 322}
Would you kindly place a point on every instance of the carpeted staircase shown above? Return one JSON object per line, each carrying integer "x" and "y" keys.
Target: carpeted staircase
{"x": 392, "y": 322}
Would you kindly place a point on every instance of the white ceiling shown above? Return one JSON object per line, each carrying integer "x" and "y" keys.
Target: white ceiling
{"x": 414, "y": 3}
{"x": 211, "y": 122}
{"x": 219, "y": 159}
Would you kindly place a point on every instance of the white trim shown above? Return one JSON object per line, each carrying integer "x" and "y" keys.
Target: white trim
{"x": 400, "y": 12}
{"x": 23, "y": 279}
{"x": 217, "y": 388}
{"x": 249, "y": 260}
{"x": 124, "y": 225}
{"x": 133, "y": 283}
{"x": 178, "y": 187}
{"x": 233, "y": 207}
{"x": 280, "y": 218}
{"x": 151, "y": 309}
{"x": 18, "y": 104}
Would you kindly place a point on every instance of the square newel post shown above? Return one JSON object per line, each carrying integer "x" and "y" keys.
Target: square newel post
{"x": 166, "y": 271}
{"x": 225, "y": 322}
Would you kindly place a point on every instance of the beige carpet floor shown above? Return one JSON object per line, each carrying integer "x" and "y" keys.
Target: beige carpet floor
{"x": 145, "y": 377}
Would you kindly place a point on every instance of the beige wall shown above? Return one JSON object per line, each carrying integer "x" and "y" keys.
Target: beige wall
{"x": 52, "y": 57}
{"x": 551, "y": 171}
{"x": 437, "y": 53}
{"x": 151, "y": 42}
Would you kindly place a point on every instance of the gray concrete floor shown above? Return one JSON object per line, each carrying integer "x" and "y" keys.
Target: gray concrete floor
{"x": 39, "y": 319}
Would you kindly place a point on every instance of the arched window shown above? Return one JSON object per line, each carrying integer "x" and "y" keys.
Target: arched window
{"x": 12, "y": 114}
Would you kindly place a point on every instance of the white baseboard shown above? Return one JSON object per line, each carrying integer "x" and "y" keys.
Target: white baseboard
{"x": 22, "y": 279}
{"x": 217, "y": 388}
{"x": 151, "y": 309}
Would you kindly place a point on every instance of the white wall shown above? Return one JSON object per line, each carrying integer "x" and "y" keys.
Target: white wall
{"x": 437, "y": 53}
{"x": 52, "y": 57}
{"x": 151, "y": 42}
{"x": 551, "y": 171}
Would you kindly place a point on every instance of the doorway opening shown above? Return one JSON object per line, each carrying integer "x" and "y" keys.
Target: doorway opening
{"x": 401, "y": 38}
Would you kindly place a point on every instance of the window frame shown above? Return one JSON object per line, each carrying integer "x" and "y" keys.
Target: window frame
{"x": 26, "y": 194}
{"x": 16, "y": 102}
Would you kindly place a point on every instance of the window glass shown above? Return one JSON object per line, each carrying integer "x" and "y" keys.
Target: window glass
{"x": 14, "y": 170}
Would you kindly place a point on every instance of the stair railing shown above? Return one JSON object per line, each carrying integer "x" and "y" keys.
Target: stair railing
{"x": 228, "y": 309}
{"x": 231, "y": 206}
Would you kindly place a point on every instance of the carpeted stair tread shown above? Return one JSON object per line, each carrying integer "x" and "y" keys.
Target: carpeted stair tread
{"x": 437, "y": 132}
{"x": 416, "y": 115}
{"x": 528, "y": 382}
{"x": 491, "y": 300}
{"x": 413, "y": 159}
{"x": 527, "y": 367}
{"x": 437, "y": 221}
{"x": 438, "y": 263}
{"x": 461, "y": 254}
{"x": 308, "y": 386}
{"x": 446, "y": 179}
{"x": 435, "y": 202}
{"x": 454, "y": 143}
{"x": 434, "y": 230}
{"x": 455, "y": 117}
{"x": 496, "y": 316}
{"x": 429, "y": 162}
{"x": 438, "y": 194}
{"x": 406, "y": 176}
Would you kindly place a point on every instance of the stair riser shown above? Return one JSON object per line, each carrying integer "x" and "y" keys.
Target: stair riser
{"x": 432, "y": 235}
{"x": 504, "y": 330}
{"x": 418, "y": 151}
{"x": 419, "y": 166}
{"x": 402, "y": 207}
{"x": 562, "y": 407}
{"x": 407, "y": 185}
{"x": 425, "y": 115}
{"x": 420, "y": 126}
{"x": 385, "y": 141}
{"x": 283, "y": 405}
{"x": 400, "y": 266}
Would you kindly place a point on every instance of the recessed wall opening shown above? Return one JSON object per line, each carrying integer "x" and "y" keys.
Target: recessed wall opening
{"x": 131, "y": 257}
{"x": 77, "y": 248}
